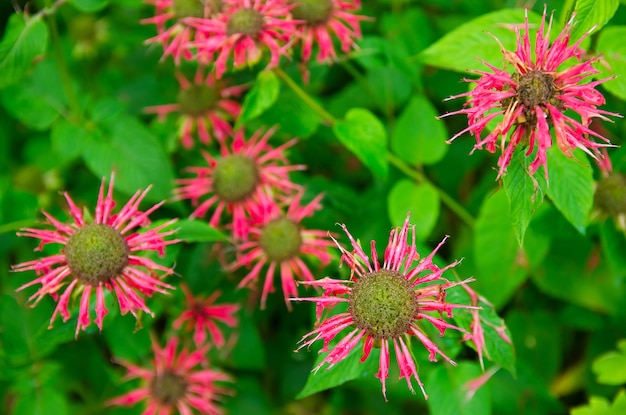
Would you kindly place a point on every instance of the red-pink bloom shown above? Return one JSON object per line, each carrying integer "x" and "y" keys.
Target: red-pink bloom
{"x": 239, "y": 180}
{"x": 99, "y": 255}
{"x": 203, "y": 314}
{"x": 178, "y": 381}
{"x": 540, "y": 93}
{"x": 206, "y": 108}
{"x": 324, "y": 19}
{"x": 278, "y": 241}
{"x": 245, "y": 29}
{"x": 387, "y": 304}
{"x": 174, "y": 33}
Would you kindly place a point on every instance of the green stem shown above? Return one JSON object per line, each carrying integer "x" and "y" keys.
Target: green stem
{"x": 66, "y": 79}
{"x": 447, "y": 200}
{"x": 326, "y": 116}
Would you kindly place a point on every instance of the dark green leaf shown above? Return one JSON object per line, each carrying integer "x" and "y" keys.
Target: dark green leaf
{"x": 420, "y": 200}
{"x": 418, "y": 136}
{"x": 613, "y": 49}
{"x": 125, "y": 339}
{"x": 23, "y": 40}
{"x": 571, "y": 186}
{"x": 524, "y": 192}
{"x": 613, "y": 247}
{"x": 260, "y": 98}
{"x": 448, "y": 391}
{"x": 37, "y": 391}
{"x": 363, "y": 134}
{"x": 89, "y": 6}
{"x": 68, "y": 138}
{"x": 293, "y": 115}
{"x": 590, "y": 13}
{"x": 197, "y": 231}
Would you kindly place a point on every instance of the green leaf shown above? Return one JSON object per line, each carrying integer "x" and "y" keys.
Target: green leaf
{"x": 261, "y": 97}
{"x": 249, "y": 352}
{"x": 447, "y": 390}
{"x": 68, "y": 139}
{"x": 590, "y": 13}
{"x": 613, "y": 248}
{"x": 36, "y": 391}
{"x": 363, "y": 134}
{"x": 294, "y": 116}
{"x": 496, "y": 250}
{"x": 524, "y": 192}
{"x": 126, "y": 147}
{"x": 419, "y": 137}
{"x": 601, "y": 406}
{"x": 197, "y": 231}
{"x": 613, "y": 49}
{"x": 89, "y": 6}
{"x": 341, "y": 372}
{"x": 125, "y": 340}
{"x": 461, "y": 49}
{"x": 420, "y": 200}
{"x": 610, "y": 368}
{"x": 23, "y": 40}
{"x": 571, "y": 186}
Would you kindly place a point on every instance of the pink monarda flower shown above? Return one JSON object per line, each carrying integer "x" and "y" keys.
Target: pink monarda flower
{"x": 174, "y": 33}
{"x": 386, "y": 305}
{"x": 175, "y": 382}
{"x": 536, "y": 95}
{"x": 100, "y": 255}
{"x": 244, "y": 29}
{"x": 202, "y": 315}
{"x": 324, "y": 19}
{"x": 239, "y": 180}
{"x": 278, "y": 240}
{"x": 206, "y": 108}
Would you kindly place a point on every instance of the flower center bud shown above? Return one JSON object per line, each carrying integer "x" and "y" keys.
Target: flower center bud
{"x": 96, "y": 253}
{"x": 313, "y": 12}
{"x": 197, "y": 99}
{"x": 168, "y": 388}
{"x": 535, "y": 88}
{"x": 383, "y": 303}
{"x": 188, "y": 8}
{"x": 610, "y": 195}
{"x": 281, "y": 239}
{"x": 235, "y": 177}
{"x": 248, "y": 22}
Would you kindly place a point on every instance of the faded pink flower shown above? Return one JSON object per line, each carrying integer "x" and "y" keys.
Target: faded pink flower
{"x": 324, "y": 19}
{"x": 239, "y": 180}
{"x": 278, "y": 240}
{"x": 537, "y": 95}
{"x": 177, "y": 381}
{"x": 386, "y": 305}
{"x": 206, "y": 108}
{"x": 202, "y": 316}
{"x": 100, "y": 255}
{"x": 245, "y": 29}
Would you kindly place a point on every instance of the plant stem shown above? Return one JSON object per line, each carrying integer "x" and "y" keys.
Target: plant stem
{"x": 447, "y": 200}
{"x": 326, "y": 116}
{"x": 66, "y": 79}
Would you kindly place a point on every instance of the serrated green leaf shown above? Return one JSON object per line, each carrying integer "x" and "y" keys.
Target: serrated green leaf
{"x": 447, "y": 390}
{"x": 420, "y": 200}
{"x": 363, "y": 134}
{"x": 571, "y": 186}
{"x": 602, "y": 406}
{"x": 341, "y": 372}
{"x": 610, "y": 368}
{"x": 24, "y": 39}
{"x": 590, "y": 13}
{"x": 418, "y": 136}
{"x": 613, "y": 49}
{"x": 261, "y": 97}
{"x": 524, "y": 192}
{"x": 125, "y": 146}
{"x": 89, "y": 6}
{"x": 461, "y": 49}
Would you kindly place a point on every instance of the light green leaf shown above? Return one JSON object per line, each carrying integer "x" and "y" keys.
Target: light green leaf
{"x": 89, "y": 6}
{"x": 197, "y": 231}
{"x": 294, "y": 116}
{"x": 363, "y": 134}
{"x": 68, "y": 139}
{"x": 524, "y": 192}
{"x": 590, "y": 13}
{"x": 610, "y": 368}
{"x": 571, "y": 186}
{"x": 418, "y": 136}
{"x": 601, "y": 406}
{"x": 461, "y": 49}
{"x": 23, "y": 41}
{"x": 261, "y": 97}
{"x": 420, "y": 200}
{"x": 613, "y": 49}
